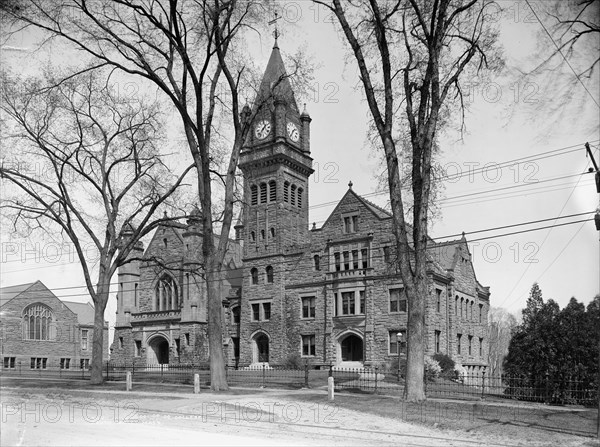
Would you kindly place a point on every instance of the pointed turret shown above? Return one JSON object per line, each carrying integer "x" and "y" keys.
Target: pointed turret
{"x": 275, "y": 84}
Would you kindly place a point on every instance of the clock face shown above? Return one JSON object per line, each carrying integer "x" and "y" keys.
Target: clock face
{"x": 262, "y": 129}
{"x": 293, "y": 132}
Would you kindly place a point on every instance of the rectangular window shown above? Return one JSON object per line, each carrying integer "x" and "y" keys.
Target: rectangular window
{"x": 458, "y": 337}
{"x": 255, "y": 312}
{"x": 480, "y": 347}
{"x": 84, "y": 339}
{"x": 84, "y": 364}
{"x": 348, "y": 303}
{"x": 394, "y": 348}
{"x": 470, "y": 344}
{"x": 317, "y": 260}
{"x": 308, "y": 345}
{"x": 336, "y": 255}
{"x": 438, "y": 335}
{"x": 361, "y": 297}
{"x": 346, "y": 260}
{"x": 39, "y": 362}
{"x": 355, "y": 259}
{"x": 364, "y": 253}
{"x": 187, "y": 339}
{"x": 397, "y": 300}
{"x": 137, "y": 348}
{"x": 354, "y": 224}
{"x": 235, "y": 314}
{"x": 120, "y": 342}
{"x": 9, "y": 362}
{"x": 438, "y": 302}
{"x": 236, "y": 347}
{"x": 386, "y": 254}
{"x": 308, "y": 307}
{"x": 65, "y": 363}
{"x": 266, "y": 311}
{"x": 347, "y": 225}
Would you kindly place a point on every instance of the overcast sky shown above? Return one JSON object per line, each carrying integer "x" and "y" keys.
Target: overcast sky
{"x": 509, "y": 119}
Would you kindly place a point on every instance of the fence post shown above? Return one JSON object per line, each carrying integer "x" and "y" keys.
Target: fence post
{"x": 330, "y": 383}
{"x": 483, "y": 385}
{"x": 375, "y": 380}
{"x": 128, "y": 381}
{"x": 306, "y": 374}
{"x": 547, "y": 397}
{"x": 263, "y": 375}
{"x": 196, "y": 383}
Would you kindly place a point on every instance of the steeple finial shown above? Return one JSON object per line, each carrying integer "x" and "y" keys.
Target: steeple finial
{"x": 350, "y": 184}
{"x": 276, "y": 32}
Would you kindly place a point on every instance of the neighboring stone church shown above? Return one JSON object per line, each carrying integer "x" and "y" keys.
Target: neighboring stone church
{"x": 328, "y": 294}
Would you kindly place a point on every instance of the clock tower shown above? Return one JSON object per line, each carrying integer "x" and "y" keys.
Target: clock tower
{"x": 276, "y": 165}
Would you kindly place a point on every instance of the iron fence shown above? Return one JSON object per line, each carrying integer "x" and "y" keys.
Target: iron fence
{"x": 49, "y": 370}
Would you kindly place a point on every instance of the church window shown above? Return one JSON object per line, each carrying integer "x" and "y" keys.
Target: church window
{"x": 266, "y": 311}
{"x": 347, "y": 223}
{"x": 137, "y": 348}
{"x": 308, "y": 345}
{"x": 480, "y": 347}
{"x": 397, "y": 300}
{"x": 166, "y": 296}
{"x": 300, "y": 190}
{"x": 252, "y": 236}
{"x": 480, "y": 313}
{"x": 293, "y": 195}
{"x": 470, "y": 344}
{"x": 272, "y": 191}
{"x": 286, "y": 191}
{"x": 386, "y": 254}
{"x": 165, "y": 242}
{"x": 120, "y": 342}
{"x": 462, "y": 302}
{"x": 254, "y": 275}
{"x": 263, "y": 193}
{"x": 317, "y": 260}
{"x": 438, "y": 335}
{"x": 458, "y": 339}
{"x": 336, "y": 255}
{"x": 272, "y": 232}
{"x": 269, "y": 271}
{"x": 262, "y": 235}
{"x": 438, "y": 300}
{"x": 38, "y": 323}
{"x": 254, "y": 194}
{"x": 361, "y": 299}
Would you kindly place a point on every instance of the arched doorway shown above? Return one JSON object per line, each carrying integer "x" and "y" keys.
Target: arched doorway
{"x": 352, "y": 349}
{"x": 159, "y": 351}
{"x": 261, "y": 348}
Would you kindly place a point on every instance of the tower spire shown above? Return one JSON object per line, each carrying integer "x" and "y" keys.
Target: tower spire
{"x": 276, "y": 32}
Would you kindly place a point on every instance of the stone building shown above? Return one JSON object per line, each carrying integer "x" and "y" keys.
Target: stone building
{"x": 40, "y": 331}
{"x": 328, "y": 294}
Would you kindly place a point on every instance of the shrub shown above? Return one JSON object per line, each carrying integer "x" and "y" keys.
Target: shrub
{"x": 460, "y": 372}
{"x": 432, "y": 368}
{"x": 293, "y": 361}
{"x": 446, "y": 363}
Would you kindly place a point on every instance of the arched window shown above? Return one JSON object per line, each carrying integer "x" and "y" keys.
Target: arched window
{"x": 272, "y": 232}
{"x": 262, "y": 235}
{"x": 252, "y": 236}
{"x": 272, "y": 191}
{"x": 269, "y": 271}
{"x": 300, "y": 191}
{"x": 166, "y": 296}
{"x": 254, "y": 275}
{"x": 235, "y": 314}
{"x": 293, "y": 195}
{"x": 263, "y": 193}
{"x": 286, "y": 191}
{"x": 38, "y": 323}
{"x": 254, "y": 194}
{"x": 317, "y": 260}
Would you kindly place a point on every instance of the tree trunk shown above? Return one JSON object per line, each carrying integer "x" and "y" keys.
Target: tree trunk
{"x": 414, "y": 391}
{"x": 218, "y": 378}
{"x": 96, "y": 374}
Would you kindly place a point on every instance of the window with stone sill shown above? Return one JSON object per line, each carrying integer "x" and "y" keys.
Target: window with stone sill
{"x": 308, "y": 307}
{"x": 397, "y": 300}
{"x": 308, "y": 346}
{"x": 393, "y": 341}
{"x": 235, "y": 315}
{"x": 137, "y": 344}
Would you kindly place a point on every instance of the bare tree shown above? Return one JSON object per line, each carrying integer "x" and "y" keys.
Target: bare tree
{"x": 501, "y": 324}
{"x": 85, "y": 162}
{"x": 190, "y": 52}
{"x": 411, "y": 55}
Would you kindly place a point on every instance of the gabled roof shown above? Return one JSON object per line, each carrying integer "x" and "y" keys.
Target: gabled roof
{"x": 84, "y": 312}
{"x": 8, "y": 293}
{"x": 377, "y": 211}
{"x": 275, "y": 82}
